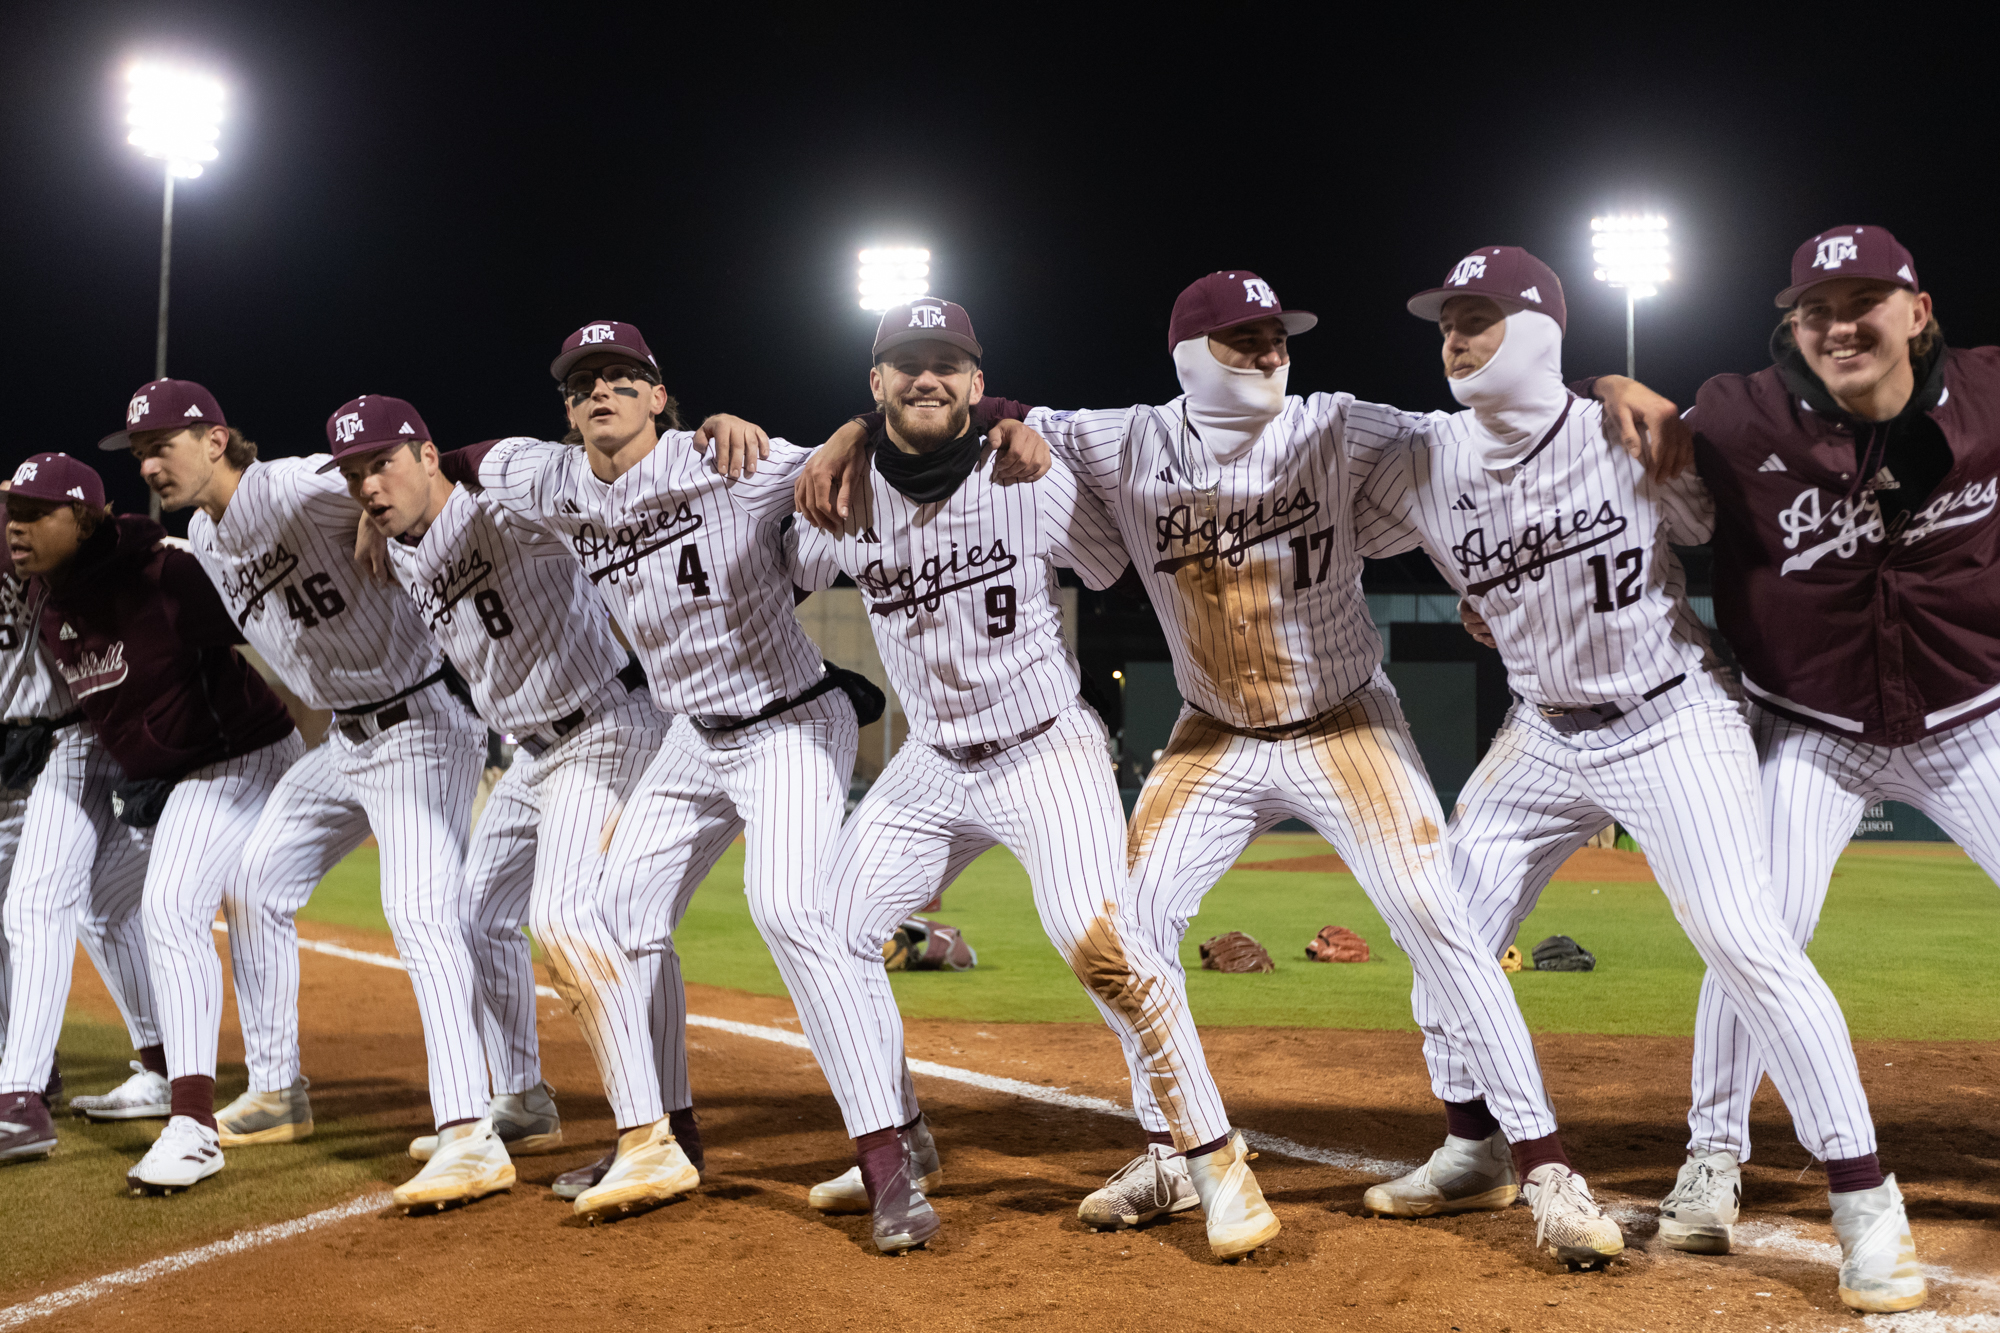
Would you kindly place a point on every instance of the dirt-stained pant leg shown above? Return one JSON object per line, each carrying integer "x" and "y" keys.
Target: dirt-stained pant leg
{"x": 1076, "y": 864}
{"x": 1519, "y": 818}
{"x": 499, "y": 877}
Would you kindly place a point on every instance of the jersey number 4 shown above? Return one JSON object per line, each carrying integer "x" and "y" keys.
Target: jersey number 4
{"x": 320, "y": 601}
{"x": 691, "y": 574}
{"x": 1630, "y": 565}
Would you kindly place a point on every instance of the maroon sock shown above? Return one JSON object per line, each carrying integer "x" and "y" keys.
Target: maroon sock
{"x": 687, "y": 1133}
{"x": 194, "y": 1097}
{"x": 881, "y": 1154}
{"x": 1469, "y": 1120}
{"x": 1531, "y": 1153}
{"x": 1160, "y": 1137}
{"x": 1204, "y": 1149}
{"x": 454, "y": 1124}
{"x": 1845, "y": 1175}
{"x": 154, "y": 1058}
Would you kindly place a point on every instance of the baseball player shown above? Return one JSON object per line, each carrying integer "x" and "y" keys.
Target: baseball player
{"x": 511, "y": 609}
{"x": 402, "y": 756}
{"x": 146, "y": 648}
{"x": 762, "y": 743}
{"x": 1239, "y": 500}
{"x": 1854, "y": 487}
{"x": 1562, "y": 549}
{"x": 68, "y": 869}
{"x": 958, "y": 572}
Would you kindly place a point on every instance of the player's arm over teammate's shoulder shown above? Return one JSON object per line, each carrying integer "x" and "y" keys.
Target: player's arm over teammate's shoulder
{"x": 518, "y": 472}
{"x": 1385, "y": 447}
{"x": 1079, "y": 530}
{"x": 1647, "y": 426}
{"x": 812, "y": 558}
{"x": 838, "y": 470}
{"x": 765, "y": 492}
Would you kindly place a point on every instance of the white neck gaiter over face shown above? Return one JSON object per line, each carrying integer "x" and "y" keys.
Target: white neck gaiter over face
{"x": 1517, "y": 395}
{"x": 1229, "y": 407}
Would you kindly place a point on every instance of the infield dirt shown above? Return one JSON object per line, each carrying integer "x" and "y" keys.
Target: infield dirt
{"x": 746, "y": 1251}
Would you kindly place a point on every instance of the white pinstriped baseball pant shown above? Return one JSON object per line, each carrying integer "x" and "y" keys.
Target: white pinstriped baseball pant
{"x": 1357, "y": 779}
{"x": 413, "y": 786}
{"x": 72, "y": 873}
{"x": 1815, "y": 788}
{"x": 782, "y": 783}
{"x": 197, "y": 848}
{"x": 1680, "y": 774}
{"x": 1053, "y": 802}
{"x": 537, "y": 859}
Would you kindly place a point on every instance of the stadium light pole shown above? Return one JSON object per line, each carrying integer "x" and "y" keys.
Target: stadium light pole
{"x": 175, "y": 116}
{"x": 1631, "y": 252}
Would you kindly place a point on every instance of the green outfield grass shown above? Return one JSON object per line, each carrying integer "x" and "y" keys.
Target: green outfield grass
{"x": 1904, "y": 943}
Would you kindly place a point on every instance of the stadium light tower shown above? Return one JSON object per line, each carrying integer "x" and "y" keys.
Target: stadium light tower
{"x": 1631, "y": 252}
{"x": 175, "y": 116}
{"x": 891, "y": 275}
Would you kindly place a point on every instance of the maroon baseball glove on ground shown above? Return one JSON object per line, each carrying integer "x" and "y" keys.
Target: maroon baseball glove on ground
{"x": 921, "y": 945}
{"x": 1337, "y": 944}
{"x": 1235, "y": 952}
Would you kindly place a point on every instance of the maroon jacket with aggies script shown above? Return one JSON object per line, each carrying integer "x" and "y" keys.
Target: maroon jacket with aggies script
{"x": 1880, "y": 630}
{"x": 142, "y": 637}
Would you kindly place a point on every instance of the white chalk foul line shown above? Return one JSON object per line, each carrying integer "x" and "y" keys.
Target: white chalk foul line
{"x": 16, "y": 1315}
{"x": 1769, "y": 1237}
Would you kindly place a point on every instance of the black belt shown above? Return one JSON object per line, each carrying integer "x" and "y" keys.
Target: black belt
{"x": 631, "y": 676}
{"x": 390, "y": 712}
{"x": 720, "y": 722}
{"x": 68, "y": 719}
{"x": 967, "y": 754}
{"x": 1570, "y": 720}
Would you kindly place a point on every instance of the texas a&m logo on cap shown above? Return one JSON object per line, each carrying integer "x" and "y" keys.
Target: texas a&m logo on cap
{"x": 346, "y": 426}
{"x": 25, "y": 472}
{"x": 1835, "y": 251}
{"x": 135, "y": 411}
{"x": 1468, "y": 268}
{"x": 1259, "y": 291}
{"x": 596, "y": 333}
{"x": 927, "y": 316}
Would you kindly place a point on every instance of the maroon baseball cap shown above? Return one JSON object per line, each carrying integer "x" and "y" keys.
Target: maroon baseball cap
{"x": 372, "y": 421}
{"x": 1849, "y": 252}
{"x": 926, "y": 319}
{"x": 165, "y": 405}
{"x": 59, "y": 478}
{"x": 602, "y": 335}
{"x": 1224, "y": 300}
{"x": 1512, "y": 277}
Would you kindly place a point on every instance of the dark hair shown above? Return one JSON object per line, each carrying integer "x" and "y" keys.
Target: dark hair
{"x": 240, "y": 451}
{"x": 89, "y": 518}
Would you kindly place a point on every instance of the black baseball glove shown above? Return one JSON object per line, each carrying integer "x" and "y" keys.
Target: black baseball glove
{"x": 1560, "y": 953}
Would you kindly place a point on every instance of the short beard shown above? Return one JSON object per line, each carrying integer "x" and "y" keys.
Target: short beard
{"x": 925, "y": 438}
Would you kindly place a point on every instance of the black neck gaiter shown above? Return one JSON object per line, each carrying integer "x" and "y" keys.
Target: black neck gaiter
{"x": 928, "y": 478}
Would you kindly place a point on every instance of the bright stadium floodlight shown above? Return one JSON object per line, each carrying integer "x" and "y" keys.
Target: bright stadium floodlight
{"x": 891, "y": 275}
{"x": 1631, "y": 252}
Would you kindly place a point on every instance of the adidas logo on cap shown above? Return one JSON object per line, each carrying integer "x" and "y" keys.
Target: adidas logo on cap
{"x": 1773, "y": 464}
{"x": 1532, "y": 294}
{"x": 192, "y": 411}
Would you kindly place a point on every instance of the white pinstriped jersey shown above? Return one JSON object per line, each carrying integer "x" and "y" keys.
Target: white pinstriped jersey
{"x": 1251, "y": 564}
{"x": 511, "y": 609}
{"x": 693, "y": 566}
{"x": 1564, "y": 555}
{"x": 30, "y": 685}
{"x": 961, "y": 594}
{"x": 283, "y": 559}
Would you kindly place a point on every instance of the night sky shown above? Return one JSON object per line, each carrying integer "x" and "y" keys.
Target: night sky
{"x": 425, "y": 202}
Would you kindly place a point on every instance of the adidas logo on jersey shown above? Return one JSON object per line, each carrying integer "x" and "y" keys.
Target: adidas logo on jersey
{"x": 67, "y": 632}
{"x": 1464, "y": 502}
{"x": 1166, "y": 474}
{"x": 868, "y": 535}
{"x": 570, "y": 507}
{"x": 1772, "y": 464}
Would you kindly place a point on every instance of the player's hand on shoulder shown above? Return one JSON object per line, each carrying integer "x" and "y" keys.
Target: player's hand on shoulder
{"x": 371, "y": 554}
{"x": 1646, "y": 426}
{"x": 828, "y": 481}
{"x": 739, "y": 445}
{"x": 1023, "y": 455}
{"x": 1475, "y": 625}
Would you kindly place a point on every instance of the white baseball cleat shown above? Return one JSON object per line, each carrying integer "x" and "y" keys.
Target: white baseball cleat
{"x": 1153, "y": 1184}
{"x": 470, "y": 1163}
{"x": 1699, "y": 1215}
{"x": 650, "y": 1168}
{"x": 1878, "y": 1260}
{"x": 1569, "y": 1220}
{"x": 1238, "y": 1218}
{"x": 144, "y": 1096}
{"x": 284, "y": 1116}
{"x": 527, "y": 1122}
{"x": 846, "y": 1194}
{"x": 1464, "y": 1176}
{"x": 185, "y": 1152}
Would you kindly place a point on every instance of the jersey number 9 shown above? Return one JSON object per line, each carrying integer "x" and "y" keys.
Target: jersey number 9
{"x": 1000, "y": 610}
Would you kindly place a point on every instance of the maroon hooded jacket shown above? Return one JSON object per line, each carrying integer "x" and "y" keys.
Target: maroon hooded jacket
{"x": 139, "y": 632}
{"x": 1883, "y": 629}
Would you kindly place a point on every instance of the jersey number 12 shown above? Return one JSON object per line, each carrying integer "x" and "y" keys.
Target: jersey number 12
{"x": 1630, "y": 565}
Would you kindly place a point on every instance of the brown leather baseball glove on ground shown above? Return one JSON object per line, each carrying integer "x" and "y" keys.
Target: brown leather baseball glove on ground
{"x": 1235, "y": 952}
{"x": 1337, "y": 944}
{"x": 1511, "y": 960}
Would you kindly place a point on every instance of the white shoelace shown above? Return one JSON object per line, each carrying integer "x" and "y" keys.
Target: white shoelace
{"x": 1573, "y": 1190}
